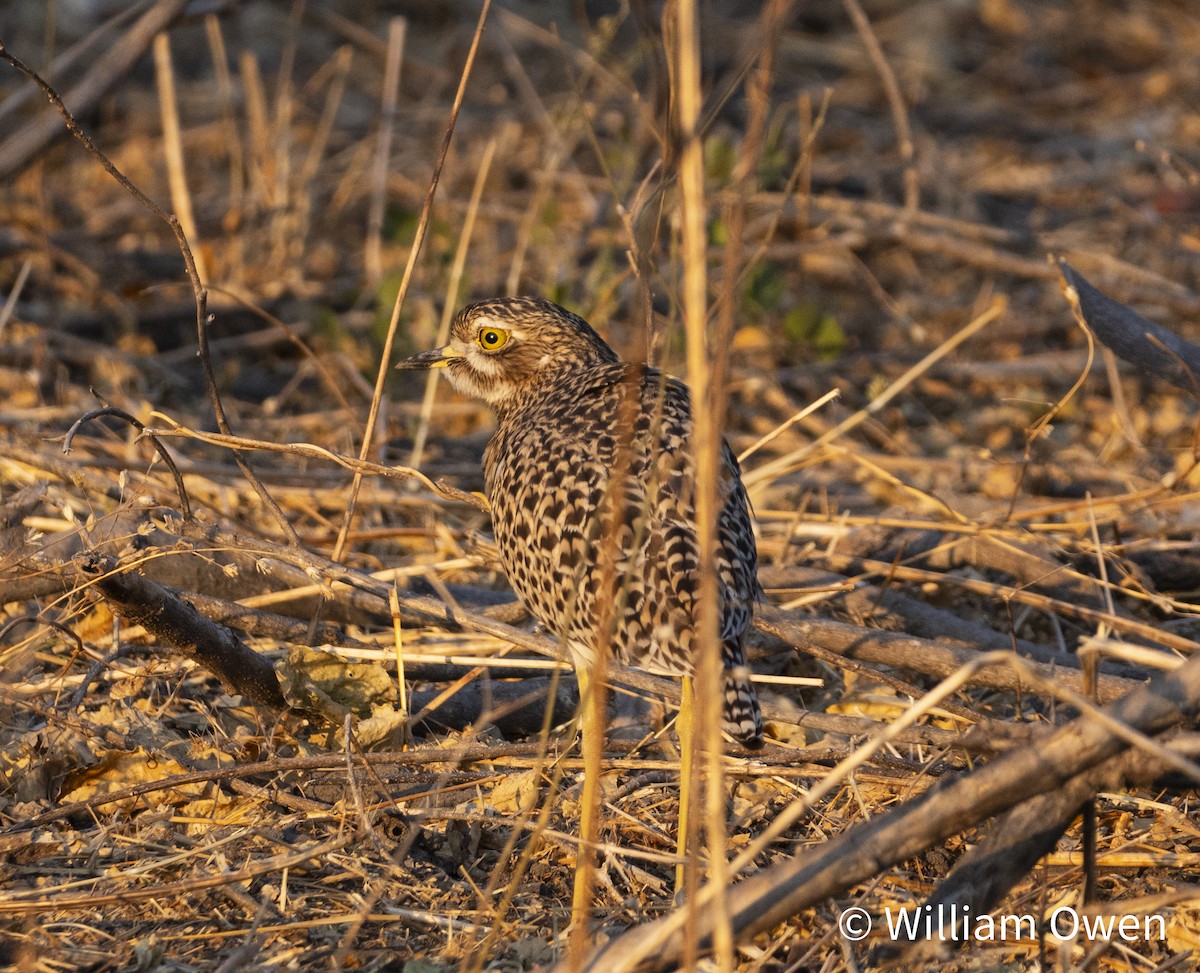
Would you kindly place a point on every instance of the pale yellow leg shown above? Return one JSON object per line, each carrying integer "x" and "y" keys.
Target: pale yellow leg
{"x": 685, "y": 723}
{"x": 591, "y": 703}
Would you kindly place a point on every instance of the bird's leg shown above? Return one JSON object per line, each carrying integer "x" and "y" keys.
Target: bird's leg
{"x": 591, "y": 718}
{"x": 569, "y": 734}
{"x": 685, "y": 724}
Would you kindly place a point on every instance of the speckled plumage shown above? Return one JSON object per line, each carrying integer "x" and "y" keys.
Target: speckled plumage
{"x": 590, "y": 479}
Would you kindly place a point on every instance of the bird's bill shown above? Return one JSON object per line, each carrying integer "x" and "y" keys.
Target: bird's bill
{"x": 437, "y": 358}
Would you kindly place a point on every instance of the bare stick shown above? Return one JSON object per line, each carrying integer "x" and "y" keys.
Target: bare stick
{"x": 1015, "y": 843}
{"x": 173, "y": 620}
{"x": 10, "y": 302}
{"x": 862, "y": 850}
{"x": 1147, "y": 345}
{"x": 72, "y": 55}
{"x": 706, "y": 450}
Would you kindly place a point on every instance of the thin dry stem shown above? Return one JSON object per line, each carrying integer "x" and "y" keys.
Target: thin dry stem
{"x": 368, "y": 441}
{"x": 181, "y": 197}
{"x": 706, "y": 449}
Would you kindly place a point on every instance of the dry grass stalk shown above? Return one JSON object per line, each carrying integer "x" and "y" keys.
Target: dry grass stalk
{"x": 702, "y": 747}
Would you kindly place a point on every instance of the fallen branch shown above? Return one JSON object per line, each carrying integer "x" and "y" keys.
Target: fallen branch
{"x": 830, "y": 639}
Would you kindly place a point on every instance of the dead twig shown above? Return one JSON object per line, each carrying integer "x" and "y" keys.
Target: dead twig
{"x": 31, "y": 140}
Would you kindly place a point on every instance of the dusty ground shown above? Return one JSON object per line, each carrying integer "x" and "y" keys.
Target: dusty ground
{"x": 851, "y": 235}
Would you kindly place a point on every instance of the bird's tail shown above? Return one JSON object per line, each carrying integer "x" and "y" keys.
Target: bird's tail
{"x": 742, "y": 717}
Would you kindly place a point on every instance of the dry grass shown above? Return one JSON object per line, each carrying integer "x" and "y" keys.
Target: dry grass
{"x": 870, "y": 211}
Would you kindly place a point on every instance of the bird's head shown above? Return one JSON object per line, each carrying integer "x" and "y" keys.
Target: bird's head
{"x": 503, "y": 348}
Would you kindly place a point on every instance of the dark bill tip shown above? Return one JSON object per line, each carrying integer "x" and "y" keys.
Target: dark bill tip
{"x": 436, "y": 358}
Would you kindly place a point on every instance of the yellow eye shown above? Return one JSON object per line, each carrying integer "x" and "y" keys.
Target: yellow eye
{"x": 492, "y": 339}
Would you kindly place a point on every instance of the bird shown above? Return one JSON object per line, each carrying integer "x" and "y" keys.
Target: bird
{"x": 590, "y": 478}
